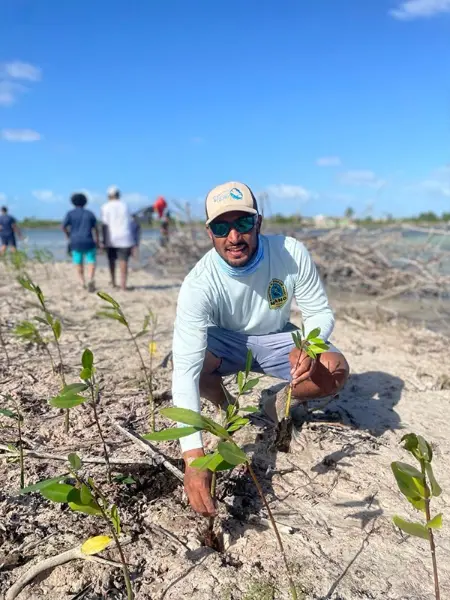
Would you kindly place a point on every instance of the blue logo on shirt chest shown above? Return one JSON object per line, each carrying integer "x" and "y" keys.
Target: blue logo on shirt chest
{"x": 277, "y": 294}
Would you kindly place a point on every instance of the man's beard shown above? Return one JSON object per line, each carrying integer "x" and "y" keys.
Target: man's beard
{"x": 238, "y": 261}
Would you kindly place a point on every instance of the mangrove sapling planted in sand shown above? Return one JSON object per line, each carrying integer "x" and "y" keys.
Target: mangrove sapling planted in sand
{"x": 418, "y": 487}
{"x": 114, "y": 311}
{"x": 43, "y": 257}
{"x": 311, "y": 345}
{"x": 18, "y": 260}
{"x": 3, "y": 344}
{"x": 85, "y": 496}
{"x": 16, "y": 446}
{"x": 227, "y": 454}
{"x": 70, "y": 397}
{"x": 87, "y": 374}
{"x": 29, "y": 332}
{"x": 55, "y": 326}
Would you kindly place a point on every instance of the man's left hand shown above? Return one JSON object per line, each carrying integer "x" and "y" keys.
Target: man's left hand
{"x": 302, "y": 366}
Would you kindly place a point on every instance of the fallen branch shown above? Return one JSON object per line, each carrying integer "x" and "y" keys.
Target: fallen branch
{"x": 88, "y": 460}
{"x": 55, "y": 561}
{"x": 157, "y": 457}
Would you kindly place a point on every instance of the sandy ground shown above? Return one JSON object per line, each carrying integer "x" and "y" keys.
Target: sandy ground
{"x": 334, "y": 496}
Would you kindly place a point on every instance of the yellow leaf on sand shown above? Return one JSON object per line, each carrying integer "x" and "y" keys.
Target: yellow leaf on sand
{"x": 96, "y": 544}
{"x": 152, "y": 348}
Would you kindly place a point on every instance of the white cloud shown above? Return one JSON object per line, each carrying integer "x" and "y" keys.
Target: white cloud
{"x": 329, "y": 161}
{"x": 418, "y": 9}
{"x": 47, "y": 196}
{"x": 9, "y": 91}
{"x": 21, "y": 70}
{"x": 2, "y": 197}
{"x": 290, "y": 192}
{"x": 436, "y": 187}
{"x": 362, "y": 177}
{"x": 20, "y": 135}
{"x": 438, "y": 183}
{"x": 11, "y": 76}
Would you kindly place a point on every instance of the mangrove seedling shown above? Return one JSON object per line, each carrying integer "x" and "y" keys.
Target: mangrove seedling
{"x": 54, "y": 324}
{"x": 85, "y": 496}
{"x": 225, "y": 457}
{"x": 3, "y": 344}
{"x": 419, "y": 486}
{"x": 17, "y": 418}
{"x": 70, "y": 396}
{"x": 29, "y": 332}
{"x": 18, "y": 260}
{"x": 87, "y": 374}
{"x": 43, "y": 257}
{"x": 311, "y": 345}
{"x": 115, "y": 312}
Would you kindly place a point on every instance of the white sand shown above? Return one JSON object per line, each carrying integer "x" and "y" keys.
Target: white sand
{"x": 337, "y": 494}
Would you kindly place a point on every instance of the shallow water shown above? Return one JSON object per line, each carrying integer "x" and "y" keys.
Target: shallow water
{"x": 54, "y": 241}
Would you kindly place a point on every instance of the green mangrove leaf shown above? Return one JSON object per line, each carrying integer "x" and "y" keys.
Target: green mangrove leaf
{"x": 172, "y": 433}
{"x": 415, "y": 529}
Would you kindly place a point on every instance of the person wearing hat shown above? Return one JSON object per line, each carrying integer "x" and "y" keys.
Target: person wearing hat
{"x": 238, "y": 298}
{"x": 118, "y": 238}
{"x": 80, "y": 227}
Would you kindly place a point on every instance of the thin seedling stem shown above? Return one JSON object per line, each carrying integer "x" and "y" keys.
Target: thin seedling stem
{"x": 126, "y": 573}
{"x": 61, "y": 365}
{"x": 149, "y": 383}
{"x": 289, "y": 394}
{"x": 275, "y": 528}
{"x": 94, "y": 397}
{"x": 211, "y": 520}
{"x": 3, "y": 343}
{"x": 21, "y": 459}
{"x": 63, "y": 380}
{"x": 430, "y": 535}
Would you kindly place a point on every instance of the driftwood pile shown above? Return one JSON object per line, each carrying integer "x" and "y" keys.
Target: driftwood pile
{"x": 383, "y": 263}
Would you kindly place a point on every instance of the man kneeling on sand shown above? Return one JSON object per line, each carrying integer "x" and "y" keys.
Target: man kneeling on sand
{"x": 238, "y": 298}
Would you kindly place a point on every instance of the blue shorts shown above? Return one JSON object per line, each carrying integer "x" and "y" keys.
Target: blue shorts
{"x": 8, "y": 240}
{"x": 270, "y": 352}
{"x": 81, "y": 256}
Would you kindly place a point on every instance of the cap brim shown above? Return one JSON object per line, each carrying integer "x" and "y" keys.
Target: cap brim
{"x": 232, "y": 208}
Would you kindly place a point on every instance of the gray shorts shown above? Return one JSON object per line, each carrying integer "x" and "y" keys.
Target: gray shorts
{"x": 270, "y": 352}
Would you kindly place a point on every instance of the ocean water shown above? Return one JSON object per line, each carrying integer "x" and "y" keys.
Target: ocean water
{"x": 54, "y": 241}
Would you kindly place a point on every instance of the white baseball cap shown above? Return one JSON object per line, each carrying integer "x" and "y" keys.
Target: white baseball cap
{"x": 113, "y": 190}
{"x": 229, "y": 197}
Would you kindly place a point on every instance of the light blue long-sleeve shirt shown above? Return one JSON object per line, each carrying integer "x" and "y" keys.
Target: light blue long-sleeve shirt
{"x": 250, "y": 304}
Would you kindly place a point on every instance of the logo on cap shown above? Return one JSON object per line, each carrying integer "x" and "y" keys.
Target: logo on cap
{"x": 236, "y": 194}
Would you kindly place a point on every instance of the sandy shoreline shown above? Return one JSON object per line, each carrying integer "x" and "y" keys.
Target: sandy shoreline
{"x": 335, "y": 497}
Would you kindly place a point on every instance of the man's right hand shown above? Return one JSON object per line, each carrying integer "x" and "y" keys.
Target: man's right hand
{"x": 197, "y": 485}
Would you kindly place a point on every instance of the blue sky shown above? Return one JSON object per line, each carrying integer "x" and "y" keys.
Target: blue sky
{"x": 322, "y": 104}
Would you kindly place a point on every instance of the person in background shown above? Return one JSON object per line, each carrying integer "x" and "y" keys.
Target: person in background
{"x": 80, "y": 227}
{"x": 8, "y": 231}
{"x": 136, "y": 233}
{"x": 160, "y": 207}
{"x": 117, "y": 235}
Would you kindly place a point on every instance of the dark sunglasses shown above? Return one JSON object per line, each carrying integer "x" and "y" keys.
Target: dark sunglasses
{"x": 221, "y": 229}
